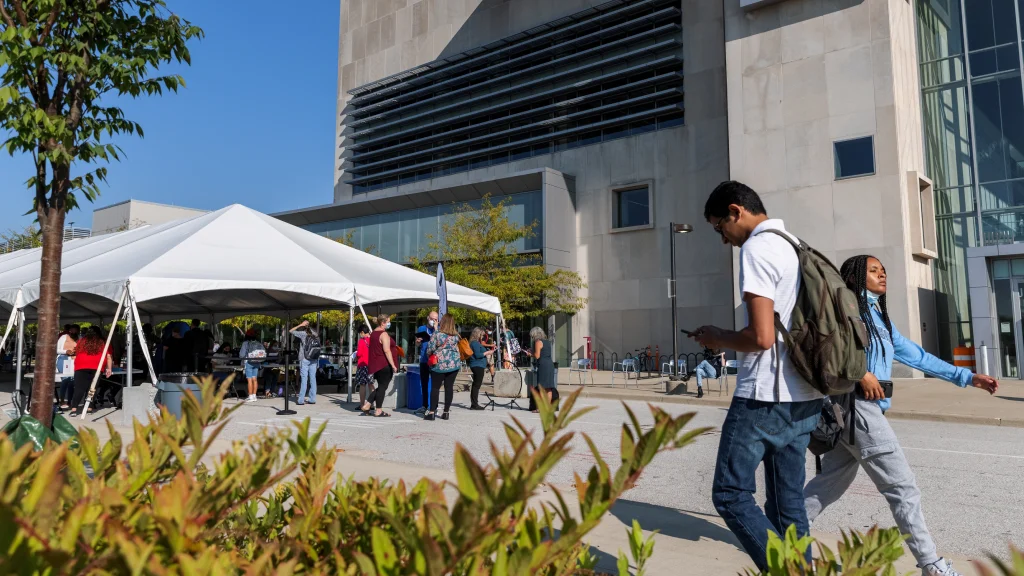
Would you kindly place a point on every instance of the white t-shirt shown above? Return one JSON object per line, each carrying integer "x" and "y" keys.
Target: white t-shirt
{"x": 67, "y": 367}
{"x": 769, "y": 267}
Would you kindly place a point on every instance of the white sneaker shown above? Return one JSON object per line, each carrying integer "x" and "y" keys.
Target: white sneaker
{"x": 251, "y": 398}
{"x": 939, "y": 568}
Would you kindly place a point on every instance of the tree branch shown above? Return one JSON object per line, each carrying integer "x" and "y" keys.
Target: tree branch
{"x": 20, "y": 11}
{"x": 49, "y": 22}
{"x": 7, "y": 17}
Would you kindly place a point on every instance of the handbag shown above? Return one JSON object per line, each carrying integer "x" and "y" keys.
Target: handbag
{"x": 432, "y": 360}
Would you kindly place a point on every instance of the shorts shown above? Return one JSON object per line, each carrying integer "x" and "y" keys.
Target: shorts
{"x": 252, "y": 370}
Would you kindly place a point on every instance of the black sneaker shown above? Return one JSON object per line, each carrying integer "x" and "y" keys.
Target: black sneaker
{"x": 428, "y": 416}
{"x": 476, "y": 407}
{"x": 700, "y": 392}
{"x": 444, "y": 416}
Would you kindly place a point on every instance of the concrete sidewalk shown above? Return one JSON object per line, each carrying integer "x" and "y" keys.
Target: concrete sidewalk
{"x": 913, "y": 399}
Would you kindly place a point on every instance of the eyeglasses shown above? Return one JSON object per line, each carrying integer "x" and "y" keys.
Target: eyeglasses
{"x": 718, "y": 227}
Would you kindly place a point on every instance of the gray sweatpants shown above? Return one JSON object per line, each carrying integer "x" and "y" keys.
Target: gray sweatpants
{"x": 878, "y": 451}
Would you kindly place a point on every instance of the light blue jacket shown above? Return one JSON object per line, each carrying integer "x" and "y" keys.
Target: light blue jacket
{"x": 906, "y": 352}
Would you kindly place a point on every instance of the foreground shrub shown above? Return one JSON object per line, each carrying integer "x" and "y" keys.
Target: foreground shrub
{"x": 860, "y": 554}
{"x": 275, "y": 505}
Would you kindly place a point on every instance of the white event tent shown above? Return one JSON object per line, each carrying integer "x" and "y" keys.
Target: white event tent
{"x": 218, "y": 265}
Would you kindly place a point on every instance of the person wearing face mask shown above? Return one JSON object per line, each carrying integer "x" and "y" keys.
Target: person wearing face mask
{"x": 423, "y": 334}
{"x": 381, "y": 364}
{"x": 875, "y": 446}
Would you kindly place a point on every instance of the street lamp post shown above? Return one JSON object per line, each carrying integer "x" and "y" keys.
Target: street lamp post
{"x": 674, "y": 229}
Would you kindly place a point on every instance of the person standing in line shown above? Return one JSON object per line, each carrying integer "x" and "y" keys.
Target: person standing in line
{"x": 66, "y": 364}
{"x": 875, "y": 446}
{"x": 363, "y": 380}
{"x": 175, "y": 352}
{"x": 478, "y": 362}
{"x": 544, "y": 365}
{"x": 198, "y": 344}
{"x": 709, "y": 367}
{"x": 773, "y": 410}
{"x": 252, "y": 354}
{"x": 445, "y": 345}
{"x": 309, "y": 359}
{"x": 89, "y": 358}
{"x": 423, "y": 334}
{"x": 381, "y": 364}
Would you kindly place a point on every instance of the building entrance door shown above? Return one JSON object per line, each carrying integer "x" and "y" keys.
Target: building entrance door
{"x": 1014, "y": 346}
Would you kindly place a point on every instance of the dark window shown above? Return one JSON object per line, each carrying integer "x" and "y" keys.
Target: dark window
{"x": 632, "y": 207}
{"x": 855, "y": 157}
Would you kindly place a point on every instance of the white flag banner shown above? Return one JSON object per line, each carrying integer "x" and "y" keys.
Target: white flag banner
{"x": 442, "y": 291}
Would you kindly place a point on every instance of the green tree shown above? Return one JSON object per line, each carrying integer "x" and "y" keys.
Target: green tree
{"x": 19, "y": 239}
{"x": 63, "y": 64}
{"x": 477, "y": 247}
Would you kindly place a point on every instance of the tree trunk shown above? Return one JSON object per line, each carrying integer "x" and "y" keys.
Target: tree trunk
{"x": 51, "y": 222}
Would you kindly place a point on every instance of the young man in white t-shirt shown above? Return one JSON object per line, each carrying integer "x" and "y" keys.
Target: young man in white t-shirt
{"x": 773, "y": 410}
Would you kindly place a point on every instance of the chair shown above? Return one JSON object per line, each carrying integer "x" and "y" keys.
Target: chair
{"x": 680, "y": 368}
{"x": 723, "y": 376}
{"x": 626, "y": 367}
{"x": 581, "y": 366}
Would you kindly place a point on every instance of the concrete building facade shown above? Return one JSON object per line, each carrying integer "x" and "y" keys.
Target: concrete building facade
{"x": 870, "y": 126}
{"x": 134, "y": 213}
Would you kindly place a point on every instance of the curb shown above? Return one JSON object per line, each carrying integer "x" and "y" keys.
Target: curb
{"x": 724, "y": 403}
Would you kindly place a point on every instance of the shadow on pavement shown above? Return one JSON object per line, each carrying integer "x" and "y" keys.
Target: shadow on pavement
{"x": 671, "y": 522}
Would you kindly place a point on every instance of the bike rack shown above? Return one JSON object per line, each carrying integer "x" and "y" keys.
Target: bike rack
{"x": 599, "y": 361}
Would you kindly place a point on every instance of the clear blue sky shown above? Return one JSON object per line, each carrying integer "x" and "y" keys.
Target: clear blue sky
{"x": 255, "y": 124}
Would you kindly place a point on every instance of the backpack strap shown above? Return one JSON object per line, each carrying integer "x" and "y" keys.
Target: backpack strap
{"x": 779, "y": 328}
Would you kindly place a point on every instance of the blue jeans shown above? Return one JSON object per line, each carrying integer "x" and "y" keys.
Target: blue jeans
{"x": 307, "y": 372}
{"x": 776, "y": 434}
{"x": 704, "y": 370}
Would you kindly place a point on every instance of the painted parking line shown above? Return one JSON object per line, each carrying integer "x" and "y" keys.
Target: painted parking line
{"x": 988, "y": 454}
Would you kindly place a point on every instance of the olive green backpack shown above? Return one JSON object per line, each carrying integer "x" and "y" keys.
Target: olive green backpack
{"x": 826, "y": 338}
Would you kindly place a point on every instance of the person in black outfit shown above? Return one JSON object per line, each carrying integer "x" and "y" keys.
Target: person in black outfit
{"x": 176, "y": 352}
{"x": 199, "y": 344}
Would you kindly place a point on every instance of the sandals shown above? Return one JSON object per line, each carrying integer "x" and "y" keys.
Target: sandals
{"x": 382, "y": 415}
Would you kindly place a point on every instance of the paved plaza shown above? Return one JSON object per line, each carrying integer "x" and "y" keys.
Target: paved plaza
{"x": 969, "y": 474}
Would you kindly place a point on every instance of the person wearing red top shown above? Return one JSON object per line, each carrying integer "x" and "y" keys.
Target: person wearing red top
{"x": 88, "y": 359}
{"x": 363, "y": 380}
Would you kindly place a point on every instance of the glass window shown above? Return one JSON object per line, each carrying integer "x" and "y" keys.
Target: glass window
{"x": 1001, "y": 269}
{"x": 389, "y": 236}
{"x": 1017, "y": 266}
{"x": 427, "y": 228}
{"x": 408, "y": 244}
{"x": 632, "y": 207}
{"x": 370, "y": 240}
{"x": 990, "y": 23}
{"x": 854, "y": 157}
{"x": 999, "y": 127}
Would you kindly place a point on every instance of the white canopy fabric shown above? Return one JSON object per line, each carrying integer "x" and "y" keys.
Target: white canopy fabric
{"x": 225, "y": 263}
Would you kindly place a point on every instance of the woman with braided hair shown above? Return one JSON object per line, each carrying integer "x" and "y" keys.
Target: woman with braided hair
{"x": 875, "y": 446}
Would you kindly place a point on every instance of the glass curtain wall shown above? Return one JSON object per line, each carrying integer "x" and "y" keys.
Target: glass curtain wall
{"x": 948, "y": 153}
{"x": 404, "y": 235}
{"x": 970, "y": 53}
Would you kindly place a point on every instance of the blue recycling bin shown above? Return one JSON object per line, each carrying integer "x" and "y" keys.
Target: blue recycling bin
{"x": 171, "y": 388}
{"x": 414, "y": 392}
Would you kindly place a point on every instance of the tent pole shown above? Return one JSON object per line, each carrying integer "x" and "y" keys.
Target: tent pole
{"x": 20, "y": 351}
{"x": 497, "y": 344}
{"x": 142, "y": 338}
{"x": 130, "y": 347}
{"x": 287, "y": 359}
{"x": 103, "y": 354}
{"x": 351, "y": 321}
